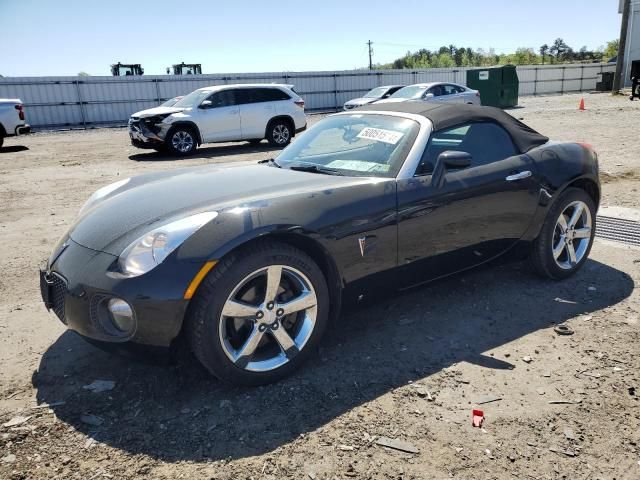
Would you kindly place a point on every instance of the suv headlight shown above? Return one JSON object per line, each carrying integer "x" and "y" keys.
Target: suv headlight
{"x": 151, "y": 249}
{"x": 100, "y": 194}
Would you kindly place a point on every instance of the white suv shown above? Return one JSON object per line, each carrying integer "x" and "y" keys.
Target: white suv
{"x": 12, "y": 120}
{"x": 223, "y": 113}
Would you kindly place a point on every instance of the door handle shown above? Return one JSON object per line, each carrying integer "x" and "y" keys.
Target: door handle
{"x": 518, "y": 176}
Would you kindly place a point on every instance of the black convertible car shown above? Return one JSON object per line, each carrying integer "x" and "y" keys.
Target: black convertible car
{"x": 250, "y": 263}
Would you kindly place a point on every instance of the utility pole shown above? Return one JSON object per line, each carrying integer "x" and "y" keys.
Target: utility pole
{"x": 622, "y": 46}
{"x": 370, "y": 43}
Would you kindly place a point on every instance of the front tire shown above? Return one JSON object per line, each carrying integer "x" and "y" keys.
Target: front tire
{"x": 566, "y": 237}
{"x": 181, "y": 141}
{"x": 279, "y": 133}
{"x": 259, "y": 314}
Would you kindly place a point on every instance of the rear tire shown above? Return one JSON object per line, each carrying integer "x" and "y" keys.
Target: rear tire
{"x": 566, "y": 238}
{"x": 244, "y": 331}
{"x": 1, "y": 140}
{"x": 279, "y": 133}
{"x": 181, "y": 141}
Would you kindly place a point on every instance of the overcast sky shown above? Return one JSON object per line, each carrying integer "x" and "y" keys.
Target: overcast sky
{"x": 64, "y": 37}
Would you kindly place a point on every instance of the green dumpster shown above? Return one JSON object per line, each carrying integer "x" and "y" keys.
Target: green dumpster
{"x": 498, "y": 86}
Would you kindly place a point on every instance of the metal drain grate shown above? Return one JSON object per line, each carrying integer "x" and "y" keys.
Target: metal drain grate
{"x": 618, "y": 229}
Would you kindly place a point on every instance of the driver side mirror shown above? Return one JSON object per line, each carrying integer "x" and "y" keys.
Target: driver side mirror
{"x": 206, "y": 104}
{"x": 449, "y": 160}
{"x": 429, "y": 96}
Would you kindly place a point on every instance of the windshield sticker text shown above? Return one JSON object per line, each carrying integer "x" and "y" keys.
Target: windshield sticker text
{"x": 381, "y": 135}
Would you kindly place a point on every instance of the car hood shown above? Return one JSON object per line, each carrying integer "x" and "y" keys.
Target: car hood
{"x": 393, "y": 100}
{"x": 361, "y": 101}
{"x": 150, "y": 201}
{"x": 157, "y": 111}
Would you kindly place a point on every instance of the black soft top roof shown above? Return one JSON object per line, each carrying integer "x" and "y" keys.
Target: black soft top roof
{"x": 445, "y": 115}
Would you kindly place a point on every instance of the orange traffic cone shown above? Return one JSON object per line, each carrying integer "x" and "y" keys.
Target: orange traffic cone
{"x": 581, "y": 107}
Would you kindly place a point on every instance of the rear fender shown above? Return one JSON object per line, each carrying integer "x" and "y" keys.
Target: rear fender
{"x": 560, "y": 166}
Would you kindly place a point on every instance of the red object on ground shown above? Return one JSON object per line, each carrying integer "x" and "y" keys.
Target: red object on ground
{"x": 581, "y": 107}
{"x": 477, "y": 418}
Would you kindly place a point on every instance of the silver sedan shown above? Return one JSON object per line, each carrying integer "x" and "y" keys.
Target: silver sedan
{"x": 378, "y": 93}
{"x": 435, "y": 92}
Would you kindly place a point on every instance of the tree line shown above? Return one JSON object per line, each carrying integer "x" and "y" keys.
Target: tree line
{"x": 452, "y": 56}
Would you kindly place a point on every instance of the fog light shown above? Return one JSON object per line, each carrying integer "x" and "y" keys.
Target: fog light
{"x": 122, "y": 315}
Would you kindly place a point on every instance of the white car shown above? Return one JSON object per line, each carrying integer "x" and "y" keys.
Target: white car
{"x": 371, "y": 96}
{"x": 12, "y": 119}
{"x": 437, "y": 92}
{"x": 222, "y": 113}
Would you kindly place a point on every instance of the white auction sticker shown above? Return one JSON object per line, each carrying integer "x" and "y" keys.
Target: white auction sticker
{"x": 381, "y": 135}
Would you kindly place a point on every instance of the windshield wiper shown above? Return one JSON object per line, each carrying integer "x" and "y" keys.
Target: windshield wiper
{"x": 315, "y": 169}
{"x": 271, "y": 162}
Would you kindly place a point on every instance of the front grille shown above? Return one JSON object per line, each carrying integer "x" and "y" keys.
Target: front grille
{"x": 618, "y": 229}
{"x": 58, "y": 293}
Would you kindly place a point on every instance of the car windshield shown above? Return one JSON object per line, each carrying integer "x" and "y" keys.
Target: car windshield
{"x": 193, "y": 99}
{"x": 376, "y": 92}
{"x": 409, "y": 92}
{"x": 373, "y": 145}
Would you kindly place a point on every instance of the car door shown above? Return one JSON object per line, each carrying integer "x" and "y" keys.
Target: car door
{"x": 219, "y": 121}
{"x": 434, "y": 94}
{"x": 478, "y": 213}
{"x": 467, "y": 96}
{"x": 256, "y": 109}
{"x": 451, "y": 94}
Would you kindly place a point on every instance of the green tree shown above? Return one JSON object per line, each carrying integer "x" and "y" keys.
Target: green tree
{"x": 443, "y": 60}
{"x": 525, "y": 56}
{"x": 559, "y": 47}
{"x": 543, "y": 51}
{"x": 83, "y": 74}
{"x": 611, "y": 50}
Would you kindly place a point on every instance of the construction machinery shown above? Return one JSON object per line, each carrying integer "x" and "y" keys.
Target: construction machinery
{"x": 125, "y": 69}
{"x": 187, "y": 69}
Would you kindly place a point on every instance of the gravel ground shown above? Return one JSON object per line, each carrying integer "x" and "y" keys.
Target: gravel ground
{"x": 409, "y": 368}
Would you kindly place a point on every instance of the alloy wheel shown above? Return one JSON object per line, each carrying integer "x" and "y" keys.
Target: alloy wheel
{"x": 182, "y": 141}
{"x": 281, "y": 134}
{"x": 572, "y": 235}
{"x": 268, "y": 318}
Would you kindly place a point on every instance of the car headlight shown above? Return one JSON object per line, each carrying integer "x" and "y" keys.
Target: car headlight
{"x": 152, "y": 248}
{"x": 101, "y": 193}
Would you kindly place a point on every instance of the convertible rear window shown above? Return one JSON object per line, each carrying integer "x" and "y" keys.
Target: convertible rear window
{"x": 358, "y": 144}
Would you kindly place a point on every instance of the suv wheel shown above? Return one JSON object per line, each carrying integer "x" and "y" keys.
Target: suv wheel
{"x": 279, "y": 133}
{"x": 181, "y": 141}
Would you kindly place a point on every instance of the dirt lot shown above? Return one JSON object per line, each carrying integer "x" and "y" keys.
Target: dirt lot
{"x": 410, "y": 368}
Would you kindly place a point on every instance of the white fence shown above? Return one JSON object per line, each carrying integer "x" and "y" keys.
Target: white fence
{"x": 55, "y": 102}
